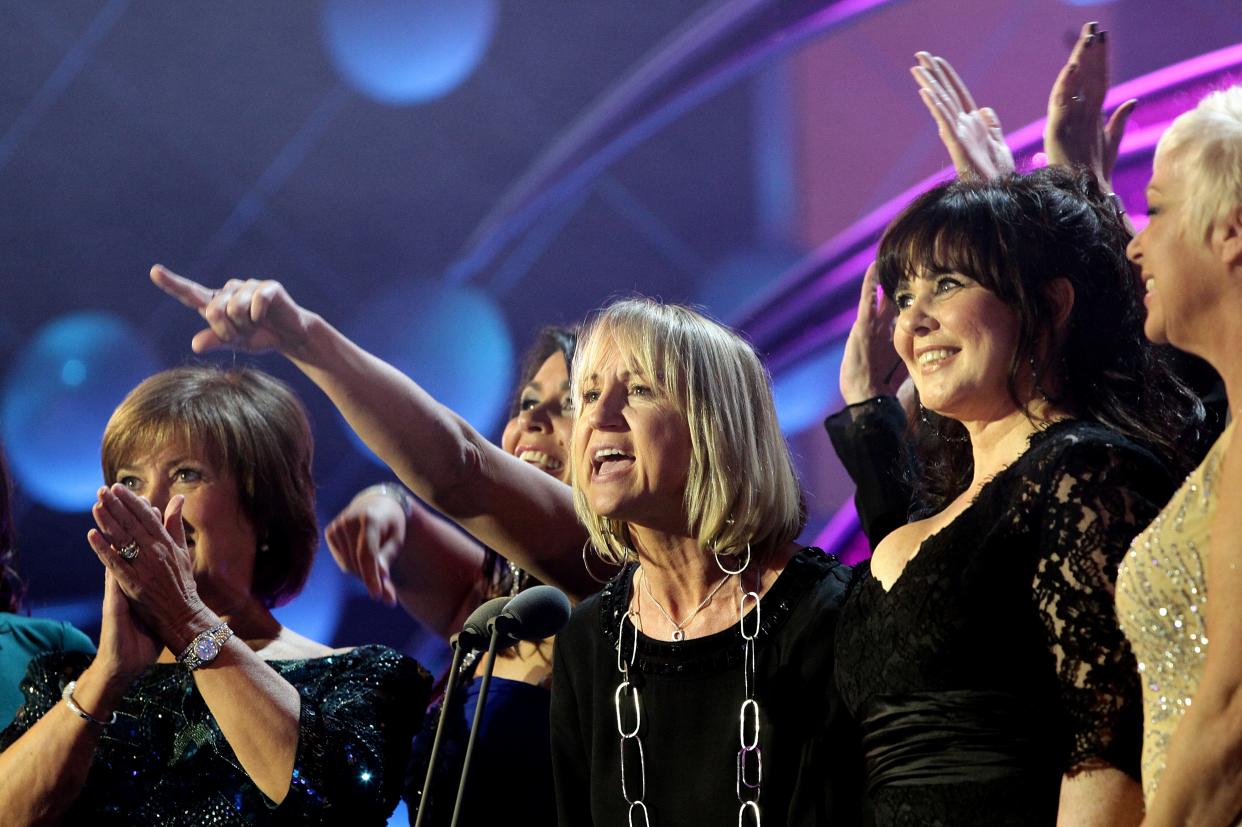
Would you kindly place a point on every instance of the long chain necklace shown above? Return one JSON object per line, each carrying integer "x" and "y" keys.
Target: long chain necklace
{"x": 628, "y": 707}
{"x": 679, "y": 629}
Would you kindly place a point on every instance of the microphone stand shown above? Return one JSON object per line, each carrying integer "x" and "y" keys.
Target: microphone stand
{"x": 478, "y": 717}
{"x": 425, "y": 799}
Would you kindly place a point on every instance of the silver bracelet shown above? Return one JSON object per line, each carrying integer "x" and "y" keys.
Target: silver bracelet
{"x": 66, "y": 694}
{"x": 392, "y": 490}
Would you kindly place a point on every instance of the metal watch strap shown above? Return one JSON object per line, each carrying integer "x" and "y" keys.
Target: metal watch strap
{"x": 217, "y": 634}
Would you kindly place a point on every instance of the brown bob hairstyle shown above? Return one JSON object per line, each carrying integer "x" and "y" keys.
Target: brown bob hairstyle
{"x": 247, "y": 424}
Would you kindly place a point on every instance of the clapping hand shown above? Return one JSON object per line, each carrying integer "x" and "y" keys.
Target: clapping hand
{"x": 972, "y": 134}
{"x": 870, "y": 366}
{"x": 1076, "y": 132}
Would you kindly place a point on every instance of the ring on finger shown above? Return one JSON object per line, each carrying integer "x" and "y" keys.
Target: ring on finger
{"x": 128, "y": 551}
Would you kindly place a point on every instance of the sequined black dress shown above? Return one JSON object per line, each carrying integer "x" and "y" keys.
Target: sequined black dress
{"x": 166, "y": 762}
{"x": 995, "y": 664}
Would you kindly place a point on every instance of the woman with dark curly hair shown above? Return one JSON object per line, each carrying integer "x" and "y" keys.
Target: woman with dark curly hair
{"x": 22, "y": 638}
{"x": 200, "y": 706}
{"x": 979, "y": 648}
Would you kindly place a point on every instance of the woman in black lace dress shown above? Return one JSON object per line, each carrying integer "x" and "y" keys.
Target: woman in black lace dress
{"x": 979, "y": 648}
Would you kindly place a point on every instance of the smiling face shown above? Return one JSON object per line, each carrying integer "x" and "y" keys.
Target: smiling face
{"x": 540, "y": 433}
{"x": 957, "y": 339}
{"x": 1175, "y": 266}
{"x": 221, "y": 540}
{"x": 631, "y": 445}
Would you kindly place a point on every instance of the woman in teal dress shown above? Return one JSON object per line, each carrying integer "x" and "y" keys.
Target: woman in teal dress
{"x": 22, "y": 638}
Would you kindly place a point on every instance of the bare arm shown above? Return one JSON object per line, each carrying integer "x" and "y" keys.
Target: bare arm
{"x": 42, "y": 772}
{"x": 410, "y": 556}
{"x": 505, "y": 503}
{"x": 1202, "y": 784}
{"x": 1104, "y": 797}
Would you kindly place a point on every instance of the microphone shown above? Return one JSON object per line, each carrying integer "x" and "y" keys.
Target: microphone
{"x": 476, "y": 632}
{"x": 534, "y": 614}
{"x": 538, "y": 612}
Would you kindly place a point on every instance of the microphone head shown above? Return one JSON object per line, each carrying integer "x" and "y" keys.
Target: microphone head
{"x": 476, "y": 632}
{"x": 537, "y": 613}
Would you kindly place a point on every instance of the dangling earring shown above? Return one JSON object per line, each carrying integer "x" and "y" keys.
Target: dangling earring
{"x": 586, "y": 565}
{"x": 729, "y": 571}
{"x": 1035, "y": 386}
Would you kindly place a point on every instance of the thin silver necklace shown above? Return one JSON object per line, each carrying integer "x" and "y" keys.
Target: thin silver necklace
{"x": 679, "y": 628}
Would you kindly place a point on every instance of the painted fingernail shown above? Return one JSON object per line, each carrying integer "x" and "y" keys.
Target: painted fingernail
{"x": 1103, "y": 36}
{"x": 1093, "y": 27}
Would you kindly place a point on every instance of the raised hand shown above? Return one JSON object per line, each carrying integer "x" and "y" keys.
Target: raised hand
{"x": 1076, "y": 132}
{"x": 252, "y": 315}
{"x": 870, "y": 366}
{"x": 126, "y": 645}
{"x": 366, "y": 538}
{"x": 146, "y": 552}
{"x": 972, "y": 134}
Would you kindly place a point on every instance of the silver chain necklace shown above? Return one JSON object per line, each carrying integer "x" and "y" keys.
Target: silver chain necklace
{"x": 679, "y": 629}
{"x": 628, "y": 707}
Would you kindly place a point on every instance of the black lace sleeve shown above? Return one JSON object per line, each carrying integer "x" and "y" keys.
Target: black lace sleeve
{"x": 1096, "y": 498}
{"x": 868, "y": 438}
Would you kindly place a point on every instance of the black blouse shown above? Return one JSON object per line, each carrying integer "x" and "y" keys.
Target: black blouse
{"x": 690, "y": 694}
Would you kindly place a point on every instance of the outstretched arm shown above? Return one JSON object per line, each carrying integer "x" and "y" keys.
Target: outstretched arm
{"x": 505, "y": 503}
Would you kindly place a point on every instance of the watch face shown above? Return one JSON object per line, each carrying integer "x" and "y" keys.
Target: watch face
{"x": 206, "y": 649}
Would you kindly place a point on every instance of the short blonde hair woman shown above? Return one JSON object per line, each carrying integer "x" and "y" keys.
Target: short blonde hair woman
{"x": 718, "y": 630}
{"x": 1190, "y": 253}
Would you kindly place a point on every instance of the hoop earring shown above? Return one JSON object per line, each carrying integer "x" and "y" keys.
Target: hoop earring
{"x": 731, "y": 572}
{"x": 587, "y": 565}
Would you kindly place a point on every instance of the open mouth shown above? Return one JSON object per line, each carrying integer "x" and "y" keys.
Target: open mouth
{"x": 608, "y": 461}
{"x": 932, "y": 359}
{"x": 541, "y": 459}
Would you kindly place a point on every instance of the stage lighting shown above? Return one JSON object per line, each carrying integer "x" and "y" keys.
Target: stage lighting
{"x": 401, "y": 52}
{"x": 57, "y": 398}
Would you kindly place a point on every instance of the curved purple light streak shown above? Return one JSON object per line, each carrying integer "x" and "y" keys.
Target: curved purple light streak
{"x": 841, "y": 261}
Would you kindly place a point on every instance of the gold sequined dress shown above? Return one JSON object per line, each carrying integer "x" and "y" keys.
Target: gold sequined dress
{"x": 1161, "y": 600}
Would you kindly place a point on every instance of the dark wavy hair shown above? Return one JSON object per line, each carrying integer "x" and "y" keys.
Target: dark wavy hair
{"x": 12, "y": 589}
{"x": 254, "y": 427}
{"x": 548, "y": 341}
{"x": 1014, "y": 235}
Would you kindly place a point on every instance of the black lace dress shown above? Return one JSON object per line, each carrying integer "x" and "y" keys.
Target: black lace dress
{"x": 995, "y": 663}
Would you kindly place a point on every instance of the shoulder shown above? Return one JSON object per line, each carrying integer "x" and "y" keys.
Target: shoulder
{"x": 810, "y": 591}
{"x": 1088, "y": 450}
{"x": 377, "y": 667}
{"x": 38, "y": 635}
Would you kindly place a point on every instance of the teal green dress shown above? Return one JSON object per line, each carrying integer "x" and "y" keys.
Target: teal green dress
{"x": 22, "y": 639}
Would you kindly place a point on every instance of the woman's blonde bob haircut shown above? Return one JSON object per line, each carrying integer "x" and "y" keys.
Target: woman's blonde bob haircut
{"x": 248, "y": 425}
{"x": 741, "y": 487}
{"x": 1206, "y": 145}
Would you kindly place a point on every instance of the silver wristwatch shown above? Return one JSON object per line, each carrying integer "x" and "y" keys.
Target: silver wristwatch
{"x": 205, "y": 646}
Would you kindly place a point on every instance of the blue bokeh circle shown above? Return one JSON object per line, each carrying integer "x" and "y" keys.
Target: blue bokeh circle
{"x": 401, "y": 52}
{"x": 57, "y": 397}
{"x": 453, "y": 341}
